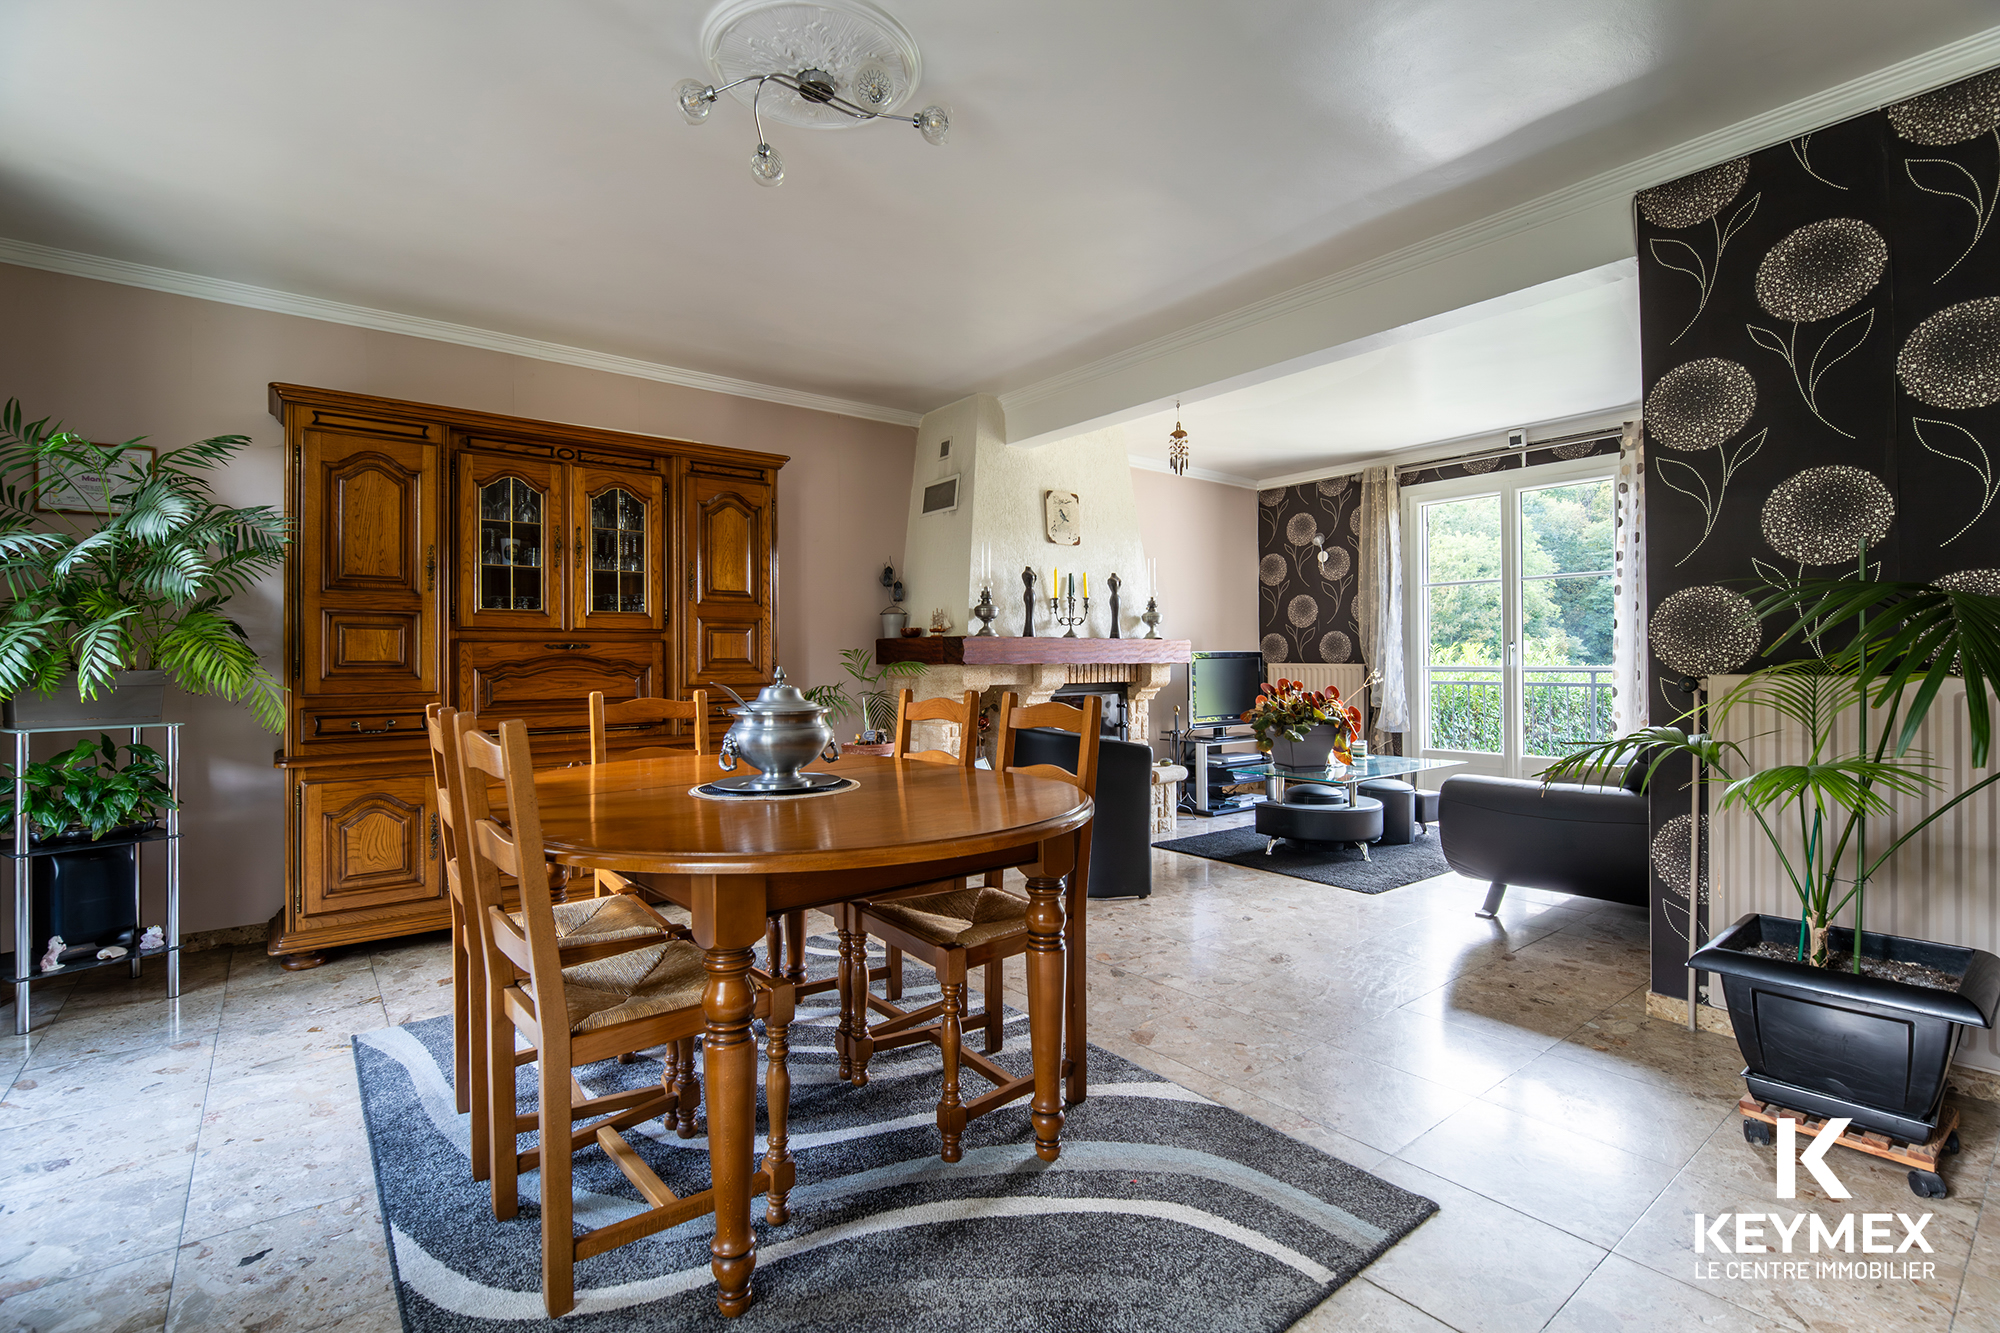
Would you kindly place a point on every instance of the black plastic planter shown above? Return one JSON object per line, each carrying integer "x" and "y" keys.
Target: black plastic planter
{"x": 1831, "y": 1043}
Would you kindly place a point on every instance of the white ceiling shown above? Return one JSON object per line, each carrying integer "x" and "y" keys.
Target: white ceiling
{"x": 1117, "y": 169}
{"x": 1561, "y": 352}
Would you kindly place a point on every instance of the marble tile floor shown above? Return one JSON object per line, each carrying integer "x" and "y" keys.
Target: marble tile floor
{"x": 201, "y": 1165}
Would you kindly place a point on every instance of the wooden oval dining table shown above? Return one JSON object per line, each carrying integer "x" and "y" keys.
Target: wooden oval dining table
{"x": 733, "y": 862}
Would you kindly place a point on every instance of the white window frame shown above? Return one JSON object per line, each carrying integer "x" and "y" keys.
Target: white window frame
{"x": 1507, "y": 485}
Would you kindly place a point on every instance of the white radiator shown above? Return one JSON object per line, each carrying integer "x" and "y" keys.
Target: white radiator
{"x": 1347, "y": 677}
{"x": 1944, "y": 885}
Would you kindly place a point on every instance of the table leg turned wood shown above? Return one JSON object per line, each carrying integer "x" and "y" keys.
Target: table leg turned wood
{"x": 1045, "y": 991}
{"x": 728, "y": 922}
{"x": 1076, "y": 996}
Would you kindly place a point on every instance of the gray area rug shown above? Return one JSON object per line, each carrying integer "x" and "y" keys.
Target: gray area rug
{"x": 1337, "y": 864}
{"x": 1165, "y": 1212}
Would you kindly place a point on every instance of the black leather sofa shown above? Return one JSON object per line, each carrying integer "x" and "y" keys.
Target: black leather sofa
{"x": 1586, "y": 840}
{"x": 1121, "y": 854}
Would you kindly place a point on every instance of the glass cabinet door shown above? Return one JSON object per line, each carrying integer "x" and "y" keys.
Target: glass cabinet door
{"x": 618, "y": 543}
{"x": 511, "y": 530}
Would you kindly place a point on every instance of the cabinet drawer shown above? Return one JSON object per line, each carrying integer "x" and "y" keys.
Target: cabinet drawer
{"x": 349, "y": 722}
{"x": 549, "y": 683}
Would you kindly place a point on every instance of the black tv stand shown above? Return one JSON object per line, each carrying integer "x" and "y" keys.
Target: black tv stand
{"x": 1206, "y": 760}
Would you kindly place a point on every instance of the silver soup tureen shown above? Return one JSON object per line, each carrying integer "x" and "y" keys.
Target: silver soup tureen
{"x": 778, "y": 733}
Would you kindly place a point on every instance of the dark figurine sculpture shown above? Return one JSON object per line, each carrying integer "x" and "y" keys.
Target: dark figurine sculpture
{"x": 1028, "y": 599}
{"x": 1112, "y": 583}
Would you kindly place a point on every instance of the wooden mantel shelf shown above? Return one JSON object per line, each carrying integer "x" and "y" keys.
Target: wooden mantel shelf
{"x": 974, "y": 650}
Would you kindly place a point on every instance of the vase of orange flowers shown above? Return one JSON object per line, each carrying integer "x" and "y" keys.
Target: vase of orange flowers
{"x": 1303, "y": 728}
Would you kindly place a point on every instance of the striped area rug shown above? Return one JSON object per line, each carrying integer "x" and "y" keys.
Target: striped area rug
{"x": 1166, "y": 1211}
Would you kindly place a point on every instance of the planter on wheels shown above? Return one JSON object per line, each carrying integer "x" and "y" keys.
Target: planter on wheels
{"x": 137, "y": 700}
{"x": 1833, "y": 1043}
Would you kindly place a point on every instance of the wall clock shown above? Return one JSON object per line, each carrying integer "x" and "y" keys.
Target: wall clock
{"x": 1060, "y": 509}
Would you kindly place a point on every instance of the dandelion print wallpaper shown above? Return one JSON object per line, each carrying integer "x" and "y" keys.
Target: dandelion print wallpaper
{"x": 1308, "y": 542}
{"x": 1820, "y": 342}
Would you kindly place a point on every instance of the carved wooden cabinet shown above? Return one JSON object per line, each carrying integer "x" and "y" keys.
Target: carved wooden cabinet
{"x": 507, "y": 567}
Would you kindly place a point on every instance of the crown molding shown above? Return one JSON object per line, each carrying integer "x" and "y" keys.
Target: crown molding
{"x": 1907, "y": 78}
{"x": 28, "y": 255}
{"x": 1197, "y": 473}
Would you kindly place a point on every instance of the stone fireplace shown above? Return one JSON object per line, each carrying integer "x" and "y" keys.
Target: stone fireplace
{"x": 1035, "y": 669}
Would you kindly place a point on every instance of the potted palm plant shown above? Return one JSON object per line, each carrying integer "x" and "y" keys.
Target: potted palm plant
{"x": 876, "y": 705}
{"x": 1838, "y": 1020}
{"x": 118, "y": 564}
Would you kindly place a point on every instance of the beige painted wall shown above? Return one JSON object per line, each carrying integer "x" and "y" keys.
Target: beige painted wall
{"x": 1204, "y": 535}
{"x": 114, "y": 362}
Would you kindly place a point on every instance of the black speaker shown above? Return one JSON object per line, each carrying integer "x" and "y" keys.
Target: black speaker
{"x": 86, "y": 897}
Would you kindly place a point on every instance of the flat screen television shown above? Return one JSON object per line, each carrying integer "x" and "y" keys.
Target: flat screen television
{"x": 1222, "y": 687}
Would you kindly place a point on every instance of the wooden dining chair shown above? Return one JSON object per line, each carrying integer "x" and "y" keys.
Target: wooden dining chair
{"x": 964, "y": 713}
{"x": 975, "y": 926}
{"x": 577, "y": 1015}
{"x": 627, "y": 712}
{"x": 645, "y": 712}
{"x": 585, "y": 930}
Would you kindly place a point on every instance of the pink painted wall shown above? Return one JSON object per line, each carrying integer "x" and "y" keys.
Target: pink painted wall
{"x": 1204, "y": 535}
{"x": 114, "y": 362}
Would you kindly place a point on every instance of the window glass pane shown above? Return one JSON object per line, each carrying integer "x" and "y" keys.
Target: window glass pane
{"x": 510, "y": 546}
{"x": 1566, "y": 529}
{"x": 1463, "y": 539}
{"x": 1465, "y": 625}
{"x": 1566, "y": 680}
{"x": 1465, "y": 708}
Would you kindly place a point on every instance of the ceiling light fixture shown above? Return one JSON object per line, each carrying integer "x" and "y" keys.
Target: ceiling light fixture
{"x": 1177, "y": 445}
{"x": 832, "y": 64}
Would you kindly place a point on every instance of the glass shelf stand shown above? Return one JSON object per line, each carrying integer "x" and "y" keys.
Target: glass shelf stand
{"x": 26, "y": 957}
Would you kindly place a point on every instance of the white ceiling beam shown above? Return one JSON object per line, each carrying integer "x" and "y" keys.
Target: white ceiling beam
{"x": 1576, "y": 228}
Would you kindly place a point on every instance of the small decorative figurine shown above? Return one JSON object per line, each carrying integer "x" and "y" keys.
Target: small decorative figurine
{"x": 52, "y": 960}
{"x": 1112, "y": 583}
{"x": 154, "y": 938}
{"x": 1028, "y": 597}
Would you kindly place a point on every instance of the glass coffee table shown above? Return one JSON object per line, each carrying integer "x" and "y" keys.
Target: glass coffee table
{"x": 1350, "y": 776}
{"x": 1356, "y": 821}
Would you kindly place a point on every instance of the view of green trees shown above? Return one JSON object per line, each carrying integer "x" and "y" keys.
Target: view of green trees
{"x": 1566, "y": 606}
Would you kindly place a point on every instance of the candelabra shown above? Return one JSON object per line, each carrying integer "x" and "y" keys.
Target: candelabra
{"x": 984, "y": 613}
{"x": 1072, "y": 619}
{"x": 1151, "y": 619}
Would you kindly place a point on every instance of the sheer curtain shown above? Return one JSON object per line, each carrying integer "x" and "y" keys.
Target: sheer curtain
{"x": 1628, "y": 584}
{"x": 1379, "y": 599}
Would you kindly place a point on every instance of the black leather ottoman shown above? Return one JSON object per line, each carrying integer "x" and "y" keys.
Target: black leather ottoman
{"x": 1315, "y": 814}
{"x": 1427, "y": 808}
{"x": 1399, "y": 809}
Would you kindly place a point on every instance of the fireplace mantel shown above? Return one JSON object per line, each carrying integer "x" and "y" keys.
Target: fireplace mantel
{"x": 998, "y": 650}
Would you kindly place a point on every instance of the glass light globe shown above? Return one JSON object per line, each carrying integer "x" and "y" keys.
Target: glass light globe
{"x": 766, "y": 166}
{"x": 934, "y": 123}
{"x": 694, "y": 98}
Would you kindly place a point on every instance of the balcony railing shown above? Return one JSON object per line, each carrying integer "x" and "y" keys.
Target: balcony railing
{"x": 1564, "y": 705}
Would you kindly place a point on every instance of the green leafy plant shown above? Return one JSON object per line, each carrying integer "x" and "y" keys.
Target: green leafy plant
{"x": 140, "y": 586}
{"x": 84, "y": 790}
{"x": 876, "y": 705}
{"x": 1905, "y": 640}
